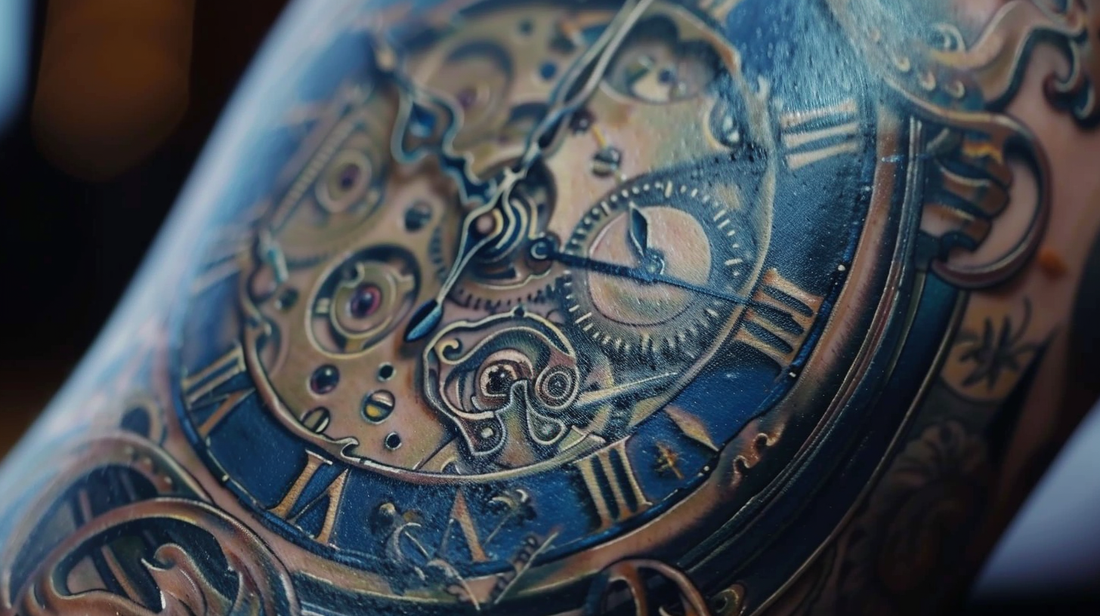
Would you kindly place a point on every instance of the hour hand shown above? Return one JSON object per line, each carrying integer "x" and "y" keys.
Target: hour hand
{"x": 427, "y": 124}
{"x": 651, "y": 259}
{"x": 639, "y": 232}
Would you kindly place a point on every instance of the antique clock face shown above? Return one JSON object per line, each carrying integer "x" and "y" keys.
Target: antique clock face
{"x": 544, "y": 284}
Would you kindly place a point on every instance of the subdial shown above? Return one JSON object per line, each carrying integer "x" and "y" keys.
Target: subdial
{"x": 661, "y": 264}
{"x": 499, "y": 70}
{"x": 478, "y": 77}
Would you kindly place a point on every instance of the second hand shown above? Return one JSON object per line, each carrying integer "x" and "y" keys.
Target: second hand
{"x": 545, "y": 251}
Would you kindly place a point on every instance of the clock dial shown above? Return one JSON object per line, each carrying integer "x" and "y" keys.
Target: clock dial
{"x": 647, "y": 320}
{"x": 660, "y": 235}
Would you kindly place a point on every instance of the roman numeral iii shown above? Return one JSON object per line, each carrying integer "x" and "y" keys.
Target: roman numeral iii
{"x": 612, "y": 484}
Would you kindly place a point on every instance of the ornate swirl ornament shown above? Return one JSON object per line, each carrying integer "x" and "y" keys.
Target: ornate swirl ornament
{"x": 141, "y": 539}
{"x": 584, "y": 306}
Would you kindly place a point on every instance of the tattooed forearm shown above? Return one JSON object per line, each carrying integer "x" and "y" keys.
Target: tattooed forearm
{"x": 742, "y": 306}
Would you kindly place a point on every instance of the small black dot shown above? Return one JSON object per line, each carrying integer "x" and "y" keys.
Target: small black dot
{"x": 417, "y": 216}
{"x": 526, "y": 27}
{"x": 393, "y": 440}
{"x": 385, "y": 372}
{"x": 287, "y": 299}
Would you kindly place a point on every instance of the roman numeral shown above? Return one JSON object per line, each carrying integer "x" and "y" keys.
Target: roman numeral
{"x": 198, "y": 389}
{"x": 460, "y": 515}
{"x": 198, "y": 385}
{"x": 815, "y": 135}
{"x": 291, "y": 508}
{"x": 612, "y": 484}
{"x": 779, "y": 319}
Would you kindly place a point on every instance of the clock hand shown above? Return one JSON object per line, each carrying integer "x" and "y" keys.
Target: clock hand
{"x": 414, "y": 102}
{"x": 575, "y": 87}
{"x": 579, "y": 82}
{"x": 544, "y": 250}
{"x": 638, "y": 232}
{"x": 471, "y": 240}
{"x": 590, "y": 399}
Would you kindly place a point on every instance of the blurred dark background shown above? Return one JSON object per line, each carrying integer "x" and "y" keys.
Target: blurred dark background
{"x": 69, "y": 246}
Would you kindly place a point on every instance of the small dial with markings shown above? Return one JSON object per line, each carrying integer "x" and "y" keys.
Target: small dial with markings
{"x": 670, "y": 231}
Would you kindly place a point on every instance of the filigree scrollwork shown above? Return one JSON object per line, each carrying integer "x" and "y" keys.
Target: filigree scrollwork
{"x": 968, "y": 182}
{"x": 636, "y": 576}
{"x": 958, "y": 93}
{"x": 186, "y": 581}
{"x": 752, "y": 455}
{"x": 506, "y": 382}
{"x": 124, "y": 529}
{"x": 999, "y": 57}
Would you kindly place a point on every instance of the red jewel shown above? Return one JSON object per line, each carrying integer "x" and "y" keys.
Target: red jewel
{"x": 324, "y": 379}
{"x": 467, "y": 98}
{"x": 348, "y": 175}
{"x": 365, "y": 301}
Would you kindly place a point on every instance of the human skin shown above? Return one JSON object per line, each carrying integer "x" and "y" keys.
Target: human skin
{"x": 744, "y": 307}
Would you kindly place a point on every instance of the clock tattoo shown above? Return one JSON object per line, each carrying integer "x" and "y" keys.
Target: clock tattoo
{"x": 540, "y": 300}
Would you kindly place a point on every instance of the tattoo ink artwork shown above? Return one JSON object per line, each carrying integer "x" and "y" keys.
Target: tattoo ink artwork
{"x": 572, "y": 307}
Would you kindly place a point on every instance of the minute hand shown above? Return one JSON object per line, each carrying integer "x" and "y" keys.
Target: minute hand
{"x": 580, "y": 81}
{"x": 645, "y": 277}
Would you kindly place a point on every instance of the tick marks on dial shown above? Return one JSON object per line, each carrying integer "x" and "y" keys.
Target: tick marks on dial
{"x": 634, "y": 290}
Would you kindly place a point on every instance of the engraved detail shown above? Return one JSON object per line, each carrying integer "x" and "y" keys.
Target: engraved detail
{"x": 752, "y": 455}
{"x": 182, "y": 577}
{"x": 506, "y": 383}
